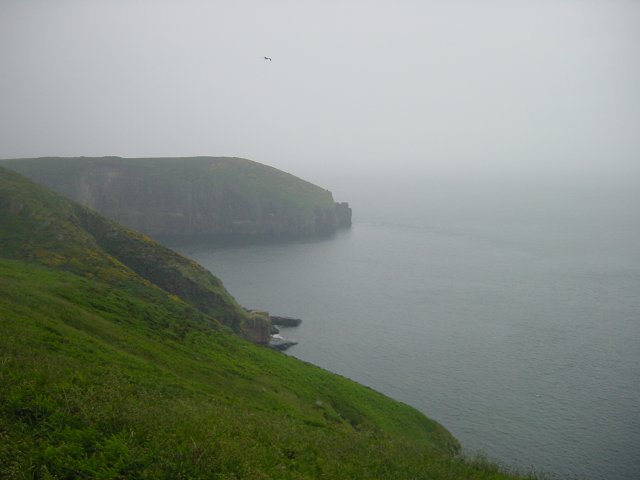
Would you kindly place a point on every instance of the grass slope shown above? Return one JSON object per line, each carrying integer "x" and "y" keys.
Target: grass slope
{"x": 41, "y": 226}
{"x": 106, "y": 375}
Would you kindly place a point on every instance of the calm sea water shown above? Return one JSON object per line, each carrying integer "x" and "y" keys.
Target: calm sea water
{"x": 511, "y": 315}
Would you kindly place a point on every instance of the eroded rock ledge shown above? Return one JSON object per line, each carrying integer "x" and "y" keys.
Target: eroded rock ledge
{"x": 264, "y": 330}
{"x": 284, "y": 321}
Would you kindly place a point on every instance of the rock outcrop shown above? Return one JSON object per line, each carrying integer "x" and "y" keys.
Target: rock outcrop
{"x": 192, "y": 196}
{"x": 284, "y": 321}
{"x": 258, "y": 327}
{"x": 278, "y": 342}
{"x": 343, "y": 214}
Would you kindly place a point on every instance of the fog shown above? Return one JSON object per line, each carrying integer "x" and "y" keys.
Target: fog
{"x": 413, "y": 87}
{"x": 490, "y": 151}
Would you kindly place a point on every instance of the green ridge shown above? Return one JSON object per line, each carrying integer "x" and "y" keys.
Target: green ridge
{"x": 105, "y": 374}
{"x": 250, "y": 179}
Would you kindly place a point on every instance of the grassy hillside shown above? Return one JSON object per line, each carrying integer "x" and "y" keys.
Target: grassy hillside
{"x": 106, "y": 375}
{"x": 40, "y": 226}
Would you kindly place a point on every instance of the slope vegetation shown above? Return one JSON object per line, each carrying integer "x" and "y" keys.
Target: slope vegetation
{"x": 43, "y": 227}
{"x": 106, "y": 373}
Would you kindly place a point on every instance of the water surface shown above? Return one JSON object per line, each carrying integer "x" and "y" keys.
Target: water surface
{"x": 510, "y": 315}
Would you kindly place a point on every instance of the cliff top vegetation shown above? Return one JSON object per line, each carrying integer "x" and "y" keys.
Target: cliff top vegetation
{"x": 251, "y": 180}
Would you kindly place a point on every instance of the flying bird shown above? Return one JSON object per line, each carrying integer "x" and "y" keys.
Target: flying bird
{"x": 267, "y": 58}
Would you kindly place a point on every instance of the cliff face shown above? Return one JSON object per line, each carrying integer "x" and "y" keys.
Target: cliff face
{"x": 343, "y": 214}
{"x": 192, "y": 196}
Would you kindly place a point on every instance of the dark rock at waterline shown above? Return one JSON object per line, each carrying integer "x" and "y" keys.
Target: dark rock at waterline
{"x": 274, "y": 330}
{"x": 280, "y": 344}
{"x": 285, "y": 321}
{"x": 343, "y": 214}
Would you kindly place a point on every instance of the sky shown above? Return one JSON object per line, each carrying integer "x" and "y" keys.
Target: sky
{"x": 413, "y": 86}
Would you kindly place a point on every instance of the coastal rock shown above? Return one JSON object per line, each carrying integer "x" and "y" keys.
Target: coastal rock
{"x": 284, "y": 321}
{"x": 343, "y": 214}
{"x": 257, "y": 328}
{"x": 278, "y": 342}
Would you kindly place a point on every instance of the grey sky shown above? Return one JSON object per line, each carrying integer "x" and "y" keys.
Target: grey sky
{"x": 439, "y": 85}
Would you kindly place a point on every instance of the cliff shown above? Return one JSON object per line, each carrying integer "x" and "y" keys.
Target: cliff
{"x": 192, "y": 196}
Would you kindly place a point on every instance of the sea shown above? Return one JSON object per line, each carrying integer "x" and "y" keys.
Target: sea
{"x": 507, "y": 310}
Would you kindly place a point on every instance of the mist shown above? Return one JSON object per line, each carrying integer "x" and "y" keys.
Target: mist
{"x": 496, "y": 88}
{"x": 490, "y": 154}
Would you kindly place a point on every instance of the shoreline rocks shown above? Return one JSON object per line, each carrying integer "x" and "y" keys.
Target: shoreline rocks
{"x": 278, "y": 342}
{"x": 284, "y": 321}
{"x": 267, "y": 333}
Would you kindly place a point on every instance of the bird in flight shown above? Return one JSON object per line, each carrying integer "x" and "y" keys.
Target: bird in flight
{"x": 267, "y": 58}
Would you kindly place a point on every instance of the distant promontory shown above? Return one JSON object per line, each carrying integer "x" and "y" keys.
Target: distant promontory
{"x": 217, "y": 196}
